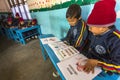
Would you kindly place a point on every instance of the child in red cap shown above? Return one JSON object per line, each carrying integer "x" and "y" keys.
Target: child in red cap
{"x": 16, "y": 20}
{"x": 104, "y": 48}
{"x": 10, "y": 23}
{"x": 32, "y": 23}
{"x": 17, "y": 15}
{"x": 22, "y": 24}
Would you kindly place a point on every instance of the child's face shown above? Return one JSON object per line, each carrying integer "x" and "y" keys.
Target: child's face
{"x": 17, "y": 16}
{"x": 33, "y": 22}
{"x": 22, "y": 22}
{"x": 10, "y": 22}
{"x": 98, "y": 30}
{"x": 72, "y": 21}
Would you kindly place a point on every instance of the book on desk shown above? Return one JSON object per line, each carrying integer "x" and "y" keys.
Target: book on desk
{"x": 49, "y": 40}
{"x": 69, "y": 69}
{"x": 62, "y": 50}
{"x": 68, "y": 57}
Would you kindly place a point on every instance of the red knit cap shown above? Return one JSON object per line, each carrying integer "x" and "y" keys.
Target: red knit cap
{"x": 17, "y": 14}
{"x": 21, "y": 19}
{"x": 34, "y": 20}
{"x": 103, "y": 14}
{"x": 9, "y": 20}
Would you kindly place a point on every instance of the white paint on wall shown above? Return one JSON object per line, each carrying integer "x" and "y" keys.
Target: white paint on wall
{"x": 4, "y": 7}
{"x": 118, "y": 14}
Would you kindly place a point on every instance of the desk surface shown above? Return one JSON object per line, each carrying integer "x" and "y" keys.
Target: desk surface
{"x": 51, "y": 54}
{"x": 28, "y": 28}
{"x": 53, "y": 58}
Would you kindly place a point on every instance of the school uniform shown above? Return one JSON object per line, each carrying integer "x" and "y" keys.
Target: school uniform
{"x": 16, "y": 21}
{"x": 10, "y": 25}
{"x": 77, "y": 35}
{"x": 21, "y": 26}
{"x": 105, "y": 47}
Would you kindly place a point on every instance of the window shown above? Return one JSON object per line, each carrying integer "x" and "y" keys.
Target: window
{"x": 17, "y": 10}
{"x": 13, "y": 10}
{"x": 27, "y": 10}
{"x": 23, "y": 9}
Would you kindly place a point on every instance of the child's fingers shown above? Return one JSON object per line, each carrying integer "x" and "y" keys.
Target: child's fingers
{"x": 79, "y": 68}
{"x": 86, "y": 69}
{"x": 93, "y": 70}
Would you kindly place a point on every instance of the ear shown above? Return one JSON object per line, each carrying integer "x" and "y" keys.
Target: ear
{"x": 80, "y": 17}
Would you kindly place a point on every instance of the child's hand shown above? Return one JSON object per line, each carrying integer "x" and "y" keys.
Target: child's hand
{"x": 80, "y": 64}
{"x": 90, "y": 65}
{"x": 79, "y": 67}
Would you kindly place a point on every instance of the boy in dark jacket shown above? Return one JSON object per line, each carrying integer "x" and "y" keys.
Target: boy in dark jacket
{"x": 10, "y": 23}
{"x": 22, "y": 24}
{"x": 16, "y": 19}
{"x": 104, "y": 49}
{"x": 77, "y": 34}
{"x": 32, "y": 23}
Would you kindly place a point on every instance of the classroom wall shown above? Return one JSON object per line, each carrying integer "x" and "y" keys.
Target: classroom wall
{"x": 4, "y": 7}
{"x": 118, "y": 14}
{"x": 54, "y": 21}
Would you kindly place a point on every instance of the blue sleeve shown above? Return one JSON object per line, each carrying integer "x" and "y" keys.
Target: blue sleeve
{"x": 112, "y": 64}
{"x": 114, "y": 49}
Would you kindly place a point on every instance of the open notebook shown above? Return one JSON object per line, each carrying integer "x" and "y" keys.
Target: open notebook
{"x": 62, "y": 51}
{"x": 49, "y": 40}
{"x": 68, "y": 68}
{"x": 68, "y": 57}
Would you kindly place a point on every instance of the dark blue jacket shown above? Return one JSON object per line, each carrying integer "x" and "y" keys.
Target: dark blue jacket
{"x": 77, "y": 34}
{"x": 106, "y": 48}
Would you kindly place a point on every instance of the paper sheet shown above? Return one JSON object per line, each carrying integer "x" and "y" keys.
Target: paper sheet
{"x": 49, "y": 40}
{"x": 118, "y": 14}
{"x": 63, "y": 51}
{"x": 69, "y": 69}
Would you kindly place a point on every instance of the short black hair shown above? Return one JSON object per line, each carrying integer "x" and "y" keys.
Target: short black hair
{"x": 74, "y": 10}
{"x": 110, "y": 27}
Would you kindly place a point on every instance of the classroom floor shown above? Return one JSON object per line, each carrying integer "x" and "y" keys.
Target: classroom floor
{"x": 23, "y": 62}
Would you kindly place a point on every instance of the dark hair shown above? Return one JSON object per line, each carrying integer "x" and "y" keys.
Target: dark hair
{"x": 74, "y": 10}
{"x": 9, "y": 14}
{"x": 110, "y": 27}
